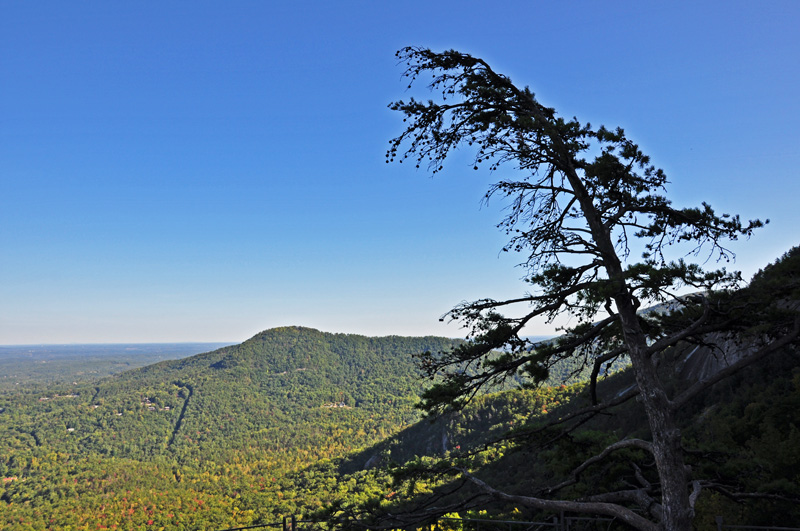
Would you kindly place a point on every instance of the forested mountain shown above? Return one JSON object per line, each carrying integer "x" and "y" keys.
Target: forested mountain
{"x": 294, "y": 419}
{"x": 210, "y": 431}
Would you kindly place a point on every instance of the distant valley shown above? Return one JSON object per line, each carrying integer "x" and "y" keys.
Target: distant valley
{"x": 29, "y": 365}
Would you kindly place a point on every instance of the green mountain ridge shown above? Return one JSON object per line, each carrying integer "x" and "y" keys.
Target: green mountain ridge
{"x": 294, "y": 419}
{"x": 237, "y": 422}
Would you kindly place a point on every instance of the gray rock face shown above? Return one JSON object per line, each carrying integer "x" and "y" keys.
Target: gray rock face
{"x": 703, "y": 361}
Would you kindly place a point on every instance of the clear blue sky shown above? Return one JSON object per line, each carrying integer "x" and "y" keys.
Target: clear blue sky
{"x": 201, "y": 171}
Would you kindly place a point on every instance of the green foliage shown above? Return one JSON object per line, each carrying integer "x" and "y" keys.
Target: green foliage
{"x": 250, "y": 442}
{"x": 743, "y": 437}
{"x": 240, "y": 435}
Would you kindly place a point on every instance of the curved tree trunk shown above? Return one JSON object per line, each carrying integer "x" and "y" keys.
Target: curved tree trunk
{"x": 672, "y": 471}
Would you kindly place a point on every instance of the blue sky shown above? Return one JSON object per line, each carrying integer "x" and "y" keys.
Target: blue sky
{"x": 201, "y": 171}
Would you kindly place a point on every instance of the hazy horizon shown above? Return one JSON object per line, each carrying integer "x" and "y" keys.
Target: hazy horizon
{"x": 146, "y": 343}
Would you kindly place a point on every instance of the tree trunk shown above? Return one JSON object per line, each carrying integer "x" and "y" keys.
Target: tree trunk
{"x": 672, "y": 471}
{"x": 667, "y": 450}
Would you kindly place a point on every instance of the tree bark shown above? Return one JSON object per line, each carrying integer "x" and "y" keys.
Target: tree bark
{"x": 677, "y": 514}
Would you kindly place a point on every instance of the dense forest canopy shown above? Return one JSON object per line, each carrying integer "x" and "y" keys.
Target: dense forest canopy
{"x": 203, "y": 437}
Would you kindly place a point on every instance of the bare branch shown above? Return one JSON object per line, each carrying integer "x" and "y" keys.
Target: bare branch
{"x": 619, "y": 445}
{"x": 587, "y": 507}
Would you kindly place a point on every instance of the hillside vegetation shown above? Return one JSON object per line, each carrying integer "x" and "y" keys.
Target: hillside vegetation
{"x": 741, "y": 438}
{"x": 744, "y": 435}
{"x": 297, "y": 421}
{"x": 215, "y": 439}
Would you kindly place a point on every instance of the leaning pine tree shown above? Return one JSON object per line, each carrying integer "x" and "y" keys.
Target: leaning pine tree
{"x": 584, "y": 198}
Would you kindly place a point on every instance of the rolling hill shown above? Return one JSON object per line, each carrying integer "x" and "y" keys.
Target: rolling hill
{"x": 216, "y": 426}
